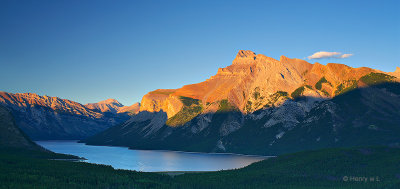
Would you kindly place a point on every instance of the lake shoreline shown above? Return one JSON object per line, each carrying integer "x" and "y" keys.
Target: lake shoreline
{"x": 227, "y": 153}
{"x": 157, "y": 161}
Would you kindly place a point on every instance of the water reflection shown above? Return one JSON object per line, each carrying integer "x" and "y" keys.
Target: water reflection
{"x": 150, "y": 160}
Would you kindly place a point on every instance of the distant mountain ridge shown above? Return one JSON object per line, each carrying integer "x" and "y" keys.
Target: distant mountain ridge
{"x": 131, "y": 110}
{"x": 109, "y": 105}
{"x": 258, "y": 104}
{"x": 55, "y": 103}
{"x": 113, "y": 106}
{"x": 44, "y": 117}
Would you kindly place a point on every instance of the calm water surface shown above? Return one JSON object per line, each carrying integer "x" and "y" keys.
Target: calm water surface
{"x": 150, "y": 160}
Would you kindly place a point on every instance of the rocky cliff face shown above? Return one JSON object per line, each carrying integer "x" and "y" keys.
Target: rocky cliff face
{"x": 44, "y": 117}
{"x": 396, "y": 73}
{"x": 259, "y": 105}
{"x": 161, "y": 100}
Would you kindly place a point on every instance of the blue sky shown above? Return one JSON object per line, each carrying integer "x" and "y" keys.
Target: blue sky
{"x": 89, "y": 51}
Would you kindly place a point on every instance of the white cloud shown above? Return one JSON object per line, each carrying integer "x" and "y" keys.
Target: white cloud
{"x": 345, "y": 55}
{"x": 324, "y": 54}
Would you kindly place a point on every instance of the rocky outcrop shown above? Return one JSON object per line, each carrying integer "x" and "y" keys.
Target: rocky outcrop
{"x": 44, "y": 117}
{"x": 396, "y": 73}
{"x": 161, "y": 100}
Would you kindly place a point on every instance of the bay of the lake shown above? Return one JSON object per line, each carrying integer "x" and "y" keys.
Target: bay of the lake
{"x": 151, "y": 160}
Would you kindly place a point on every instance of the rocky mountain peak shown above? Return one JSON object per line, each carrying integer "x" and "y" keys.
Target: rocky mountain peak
{"x": 245, "y": 54}
{"x": 283, "y": 58}
{"x": 109, "y": 105}
{"x": 245, "y": 57}
{"x": 111, "y": 101}
{"x": 113, "y": 106}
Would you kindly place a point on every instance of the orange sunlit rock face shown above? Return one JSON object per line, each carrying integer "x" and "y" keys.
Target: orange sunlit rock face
{"x": 251, "y": 73}
{"x": 396, "y": 73}
{"x": 161, "y": 100}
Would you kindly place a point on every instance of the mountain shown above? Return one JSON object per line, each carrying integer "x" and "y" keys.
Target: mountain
{"x": 113, "y": 106}
{"x": 44, "y": 117}
{"x": 10, "y": 135}
{"x": 251, "y": 76}
{"x": 109, "y": 105}
{"x": 259, "y": 105}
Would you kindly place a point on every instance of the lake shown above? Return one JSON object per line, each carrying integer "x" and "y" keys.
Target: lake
{"x": 151, "y": 160}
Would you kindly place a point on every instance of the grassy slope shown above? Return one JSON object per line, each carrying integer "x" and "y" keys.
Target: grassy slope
{"x": 191, "y": 108}
{"x": 312, "y": 169}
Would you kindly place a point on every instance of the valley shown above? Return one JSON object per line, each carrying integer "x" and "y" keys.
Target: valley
{"x": 310, "y": 169}
{"x": 27, "y": 165}
{"x": 257, "y": 94}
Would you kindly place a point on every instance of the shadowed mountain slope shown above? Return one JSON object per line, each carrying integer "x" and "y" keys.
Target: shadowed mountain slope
{"x": 10, "y": 135}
